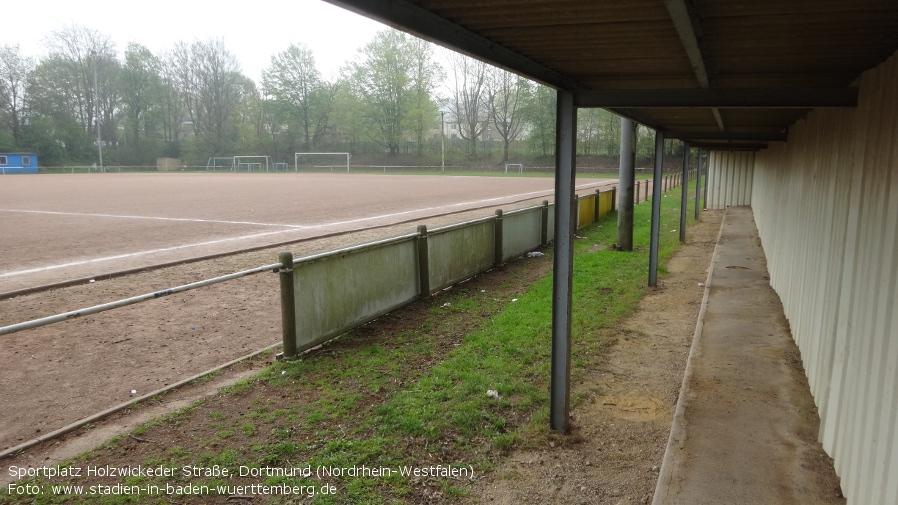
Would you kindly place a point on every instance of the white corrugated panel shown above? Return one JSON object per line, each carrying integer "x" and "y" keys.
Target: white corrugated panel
{"x": 729, "y": 178}
{"x": 826, "y": 206}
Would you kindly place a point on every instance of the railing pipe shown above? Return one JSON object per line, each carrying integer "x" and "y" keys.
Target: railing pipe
{"x": 34, "y": 323}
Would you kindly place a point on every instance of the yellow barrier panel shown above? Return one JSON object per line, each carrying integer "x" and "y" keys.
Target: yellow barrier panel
{"x": 604, "y": 203}
{"x": 586, "y": 211}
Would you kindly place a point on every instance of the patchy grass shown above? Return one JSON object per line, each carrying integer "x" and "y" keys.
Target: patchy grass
{"x": 406, "y": 391}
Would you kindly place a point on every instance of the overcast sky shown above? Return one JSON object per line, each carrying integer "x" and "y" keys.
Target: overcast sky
{"x": 253, "y": 31}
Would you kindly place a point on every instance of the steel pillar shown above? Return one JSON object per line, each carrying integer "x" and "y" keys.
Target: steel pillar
{"x": 563, "y": 277}
{"x": 627, "y": 178}
{"x": 656, "y": 209}
{"x": 698, "y": 182}
{"x": 707, "y": 178}
{"x": 684, "y": 193}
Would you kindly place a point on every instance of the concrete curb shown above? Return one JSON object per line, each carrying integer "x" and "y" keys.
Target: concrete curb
{"x": 678, "y": 430}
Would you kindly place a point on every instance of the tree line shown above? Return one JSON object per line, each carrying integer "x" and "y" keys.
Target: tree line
{"x": 193, "y": 102}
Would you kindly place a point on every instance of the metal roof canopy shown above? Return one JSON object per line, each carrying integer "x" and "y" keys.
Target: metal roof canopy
{"x": 717, "y": 74}
{"x": 714, "y": 73}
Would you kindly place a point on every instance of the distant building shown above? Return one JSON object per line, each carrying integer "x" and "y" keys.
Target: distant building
{"x": 18, "y": 163}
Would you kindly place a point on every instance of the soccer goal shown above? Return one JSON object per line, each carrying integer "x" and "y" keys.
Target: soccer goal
{"x": 220, "y": 163}
{"x": 280, "y": 167}
{"x": 252, "y": 163}
{"x": 514, "y": 167}
{"x": 321, "y": 161}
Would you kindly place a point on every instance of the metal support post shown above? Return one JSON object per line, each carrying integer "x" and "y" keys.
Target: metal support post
{"x": 627, "y": 177}
{"x": 707, "y": 178}
{"x": 698, "y": 182}
{"x": 544, "y": 228}
{"x": 684, "y": 193}
{"x": 288, "y": 307}
{"x": 563, "y": 262}
{"x": 656, "y": 209}
{"x": 498, "y": 241}
{"x": 614, "y": 199}
{"x": 598, "y": 200}
{"x": 423, "y": 262}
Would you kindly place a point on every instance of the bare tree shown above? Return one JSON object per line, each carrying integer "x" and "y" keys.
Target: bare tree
{"x": 211, "y": 85}
{"x": 505, "y": 97}
{"x": 87, "y": 56}
{"x": 468, "y": 102}
{"x": 15, "y": 71}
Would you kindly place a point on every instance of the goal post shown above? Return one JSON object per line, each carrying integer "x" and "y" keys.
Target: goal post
{"x": 319, "y": 161}
{"x": 514, "y": 167}
{"x": 220, "y": 162}
{"x": 251, "y": 163}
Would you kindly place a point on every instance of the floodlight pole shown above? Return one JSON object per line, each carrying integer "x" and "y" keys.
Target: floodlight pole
{"x": 442, "y": 141}
{"x": 97, "y": 99}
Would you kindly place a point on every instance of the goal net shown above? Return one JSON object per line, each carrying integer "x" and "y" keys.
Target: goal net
{"x": 252, "y": 163}
{"x": 514, "y": 168}
{"x": 321, "y": 162}
{"x": 220, "y": 163}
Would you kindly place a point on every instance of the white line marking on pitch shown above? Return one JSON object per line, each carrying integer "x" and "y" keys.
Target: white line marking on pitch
{"x": 139, "y": 253}
{"x": 242, "y": 237}
{"x": 183, "y": 219}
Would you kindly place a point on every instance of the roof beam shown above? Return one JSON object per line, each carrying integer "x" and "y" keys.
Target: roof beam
{"x": 682, "y": 20}
{"x": 724, "y": 136}
{"x": 711, "y": 146}
{"x": 423, "y": 23}
{"x": 686, "y": 23}
{"x": 797, "y": 98}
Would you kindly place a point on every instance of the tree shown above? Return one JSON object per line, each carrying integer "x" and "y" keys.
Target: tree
{"x": 381, "y": 80}
{"x": 54, "y": 111}
{"x": 468, "y": 102}
{"x": 539, "y": 111}
{"x": 426, "y": 74}
{"x": 349, "y": 114}
{"x": 210, "y": 85}
{"x": 301, "y": 97}
{"x": 87, "y": 64}
{"x": 506, "y": 93}
{"x": 140, "y": 82}
{"x": 598, "y": 132}
{"x": 15, "y": 72}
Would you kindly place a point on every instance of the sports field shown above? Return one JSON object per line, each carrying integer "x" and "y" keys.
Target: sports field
{"x": 61, "y": 227}
{"x": 76, "y": 227}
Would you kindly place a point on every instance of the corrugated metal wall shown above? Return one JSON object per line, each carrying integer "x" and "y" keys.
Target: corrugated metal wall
{"x": 826, "y": 205}
{"x": 729, "y": 178}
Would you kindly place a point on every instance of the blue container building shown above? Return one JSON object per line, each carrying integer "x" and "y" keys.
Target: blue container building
{"x": 18, "y": 163}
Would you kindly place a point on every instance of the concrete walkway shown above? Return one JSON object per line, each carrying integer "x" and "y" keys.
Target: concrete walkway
{"x": 745, "y": 426}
